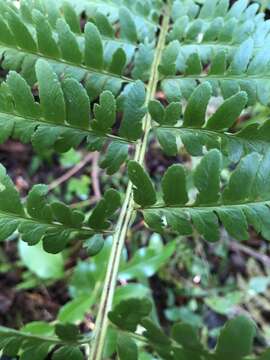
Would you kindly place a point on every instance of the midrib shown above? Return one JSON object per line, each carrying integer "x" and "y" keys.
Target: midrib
{"x": 127, "y": 210}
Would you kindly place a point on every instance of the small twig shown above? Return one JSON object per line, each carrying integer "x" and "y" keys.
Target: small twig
{"x": 65, "y": 177}
{"x": 239, "y": 247}
{"x": 95, "y": 175}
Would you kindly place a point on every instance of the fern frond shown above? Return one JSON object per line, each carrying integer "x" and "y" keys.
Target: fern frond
{"x": 54, "y": 223}
{"x": 216, "y": 26}
{"x": 183, "y": 342}
{"x": 63, "y": 119}
{"x": 244, "y": 200}
{"x": 30, "y": 345}
{"x": 145, "y": 13}
{"x": 195, "y": 130}
{"x": 247, "y": 70}
{"x": 81, "y": 56}
{"x": 30, "y": 13}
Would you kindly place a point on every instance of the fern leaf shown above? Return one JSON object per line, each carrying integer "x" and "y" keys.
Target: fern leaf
{"x": 27, "y": 344}
{"x": 245, "y": 69}
{"x": 53, "y": 223}
{"x": 144, "y": 192}
{"x": 53, "y": 25}
{"x": 63, "y": 118}
{"x": 215, "y": 26}
{"x": 184, "y": 342}
{"x": 30, "y": 33}
{"x": 144, "y": 14}
{"x": 134, "y": 111}
{"x": 244, "y": 200}
{"x": 195, "y": 130}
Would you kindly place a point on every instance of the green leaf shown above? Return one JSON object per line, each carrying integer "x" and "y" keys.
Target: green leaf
{"x": 93, "y": 47}
{"x": 118, "y": 63}
{"x": 104, "y": 25}
{"x": 168, "y": 61}
{"x": 237, "y": 207}
{"x": 6, "y": 35}
{"x": 42, "y": 264}
{"x": 234, "y": 222}
{"x": 75, "y": 310}
{"x": 242, "y": 57}
{"x": 69, "y": 352}
{"x": 77, "y": 104}
{"x": 134, "y": 111}
{"x": 67, "y": 332}
{"x": 9, "y": 197}
{"x": 105, "y": 112}
{"x": 187, "y": 336}
{"x": 23, "y": 36}
{"x": 63, "y": 214}
{"x": 127, "y": 320}
{"x": 194, "y": 65}
{"x": 127, "y": 25}
{"x": 94, "y": 245}
{"x": 71, "y": 17}
{"x": 206, "y": 223}
{"x": 55, "y": 224}
{"x": 105, "y": 209}
{"x": 51, "y": 94}
{"x": 174, "y": 186}
{"x": 116, "y": 155}
{"x": 146, "y": 261}
{"x": 144, "y": 192}
{"x": 22, "y": 95}
{"x": 230, "y": 345}
{"x": 168, "y": 116}
{"x": 126, "y": 348}
{"x": 155, "y": 334}
{"x": 218, "y": 65}
{"x": 38, "y": 328}
{"x": 196, "y": 108}
{"x": 167, "y": 140}
{"x": 207, "y": 178}
{"x": 67, "y": 107}
{"x": 130, "y": 291}
{"x": 172, "y": 113}
{"x": 36, "y": 204}
{"x": 46, "y": 42}
{"x": 225, "y": 305}
{"x": 68, "y": 43}
{"x": 228, "y": 112}
{"x": 265, "y": 355}
{"x": 157, "y": 111}
{"x": 242, "y": 180}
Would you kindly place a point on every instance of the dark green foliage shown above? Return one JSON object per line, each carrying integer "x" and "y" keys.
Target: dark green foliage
{"x": 63, "y": 118}
{"x": 235, "y": 206}
{"x": 184, "y": 342}
{"x": 54, "y": 223}
{"x": 36, "y": 340}
{"x": 126, "y": 319}
{"x": 52, "y": 32}
{"x": 144, "y": 192}
{"x": 196, "y": 130}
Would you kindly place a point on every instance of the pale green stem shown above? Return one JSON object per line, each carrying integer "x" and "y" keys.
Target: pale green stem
{"x": 127, "y": 210}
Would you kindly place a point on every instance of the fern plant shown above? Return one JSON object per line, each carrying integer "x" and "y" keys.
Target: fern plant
{"x": 96, "y": 86}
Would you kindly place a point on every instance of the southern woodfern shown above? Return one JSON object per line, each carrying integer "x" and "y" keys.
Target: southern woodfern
{"x": 97, "y": 88}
